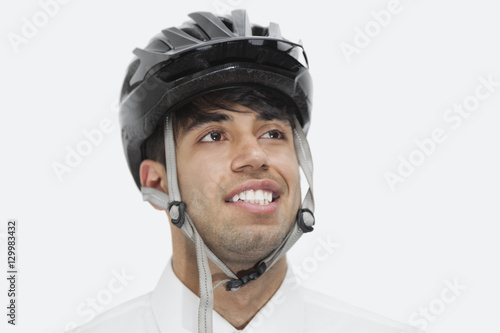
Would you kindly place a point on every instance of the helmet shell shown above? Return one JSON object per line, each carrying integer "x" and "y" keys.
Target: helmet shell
{"x": 207, "y": 54}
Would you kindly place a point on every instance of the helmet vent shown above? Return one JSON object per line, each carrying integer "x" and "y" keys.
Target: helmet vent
{"x": 242, "y": 25}
{"x": 212, "y": 26}
{"x": 179, "y": 38}
{"x": 274, "y": 30}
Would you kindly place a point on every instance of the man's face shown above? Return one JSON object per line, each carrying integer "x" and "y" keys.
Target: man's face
{"x": 239, "y": 177}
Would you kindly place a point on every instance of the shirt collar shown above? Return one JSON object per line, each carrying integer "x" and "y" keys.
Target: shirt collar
{"x": 175, "y": 308}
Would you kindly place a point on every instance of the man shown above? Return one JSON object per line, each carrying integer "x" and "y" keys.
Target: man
{"x": 213, "y": 116}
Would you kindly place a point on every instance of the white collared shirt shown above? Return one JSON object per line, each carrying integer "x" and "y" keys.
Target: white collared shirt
{"x": 172, "y": 308}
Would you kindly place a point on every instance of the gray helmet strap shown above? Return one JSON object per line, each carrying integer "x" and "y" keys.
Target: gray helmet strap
{"x": 172, "y": 203}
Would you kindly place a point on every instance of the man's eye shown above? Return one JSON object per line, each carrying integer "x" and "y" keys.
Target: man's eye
{"x": 212, "y": 136}
{"x": 274, "y": 134}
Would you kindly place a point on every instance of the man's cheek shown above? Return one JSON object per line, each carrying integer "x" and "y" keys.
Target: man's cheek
{"x": 210, "y": 190}
{"x": 288, "y": 166}
{"x": 207, "y": 180}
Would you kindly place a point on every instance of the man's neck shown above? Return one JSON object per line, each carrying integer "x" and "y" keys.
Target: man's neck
{"x": 237, "y": 307}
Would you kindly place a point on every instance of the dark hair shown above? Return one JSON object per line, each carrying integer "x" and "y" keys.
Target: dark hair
{"x": 268, "y": 103}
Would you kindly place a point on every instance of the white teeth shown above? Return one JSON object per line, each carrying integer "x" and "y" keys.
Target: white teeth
{"x": 250, "y": 196}
{"x": 259, "y": 197}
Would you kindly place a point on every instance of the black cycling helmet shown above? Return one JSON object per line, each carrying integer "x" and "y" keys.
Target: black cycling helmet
{"x": 207, "y": 54}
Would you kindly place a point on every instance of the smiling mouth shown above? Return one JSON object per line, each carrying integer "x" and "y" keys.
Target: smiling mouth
{"x": 258, "y": 197}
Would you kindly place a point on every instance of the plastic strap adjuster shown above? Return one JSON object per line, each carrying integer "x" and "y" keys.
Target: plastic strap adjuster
{"x": 234, "y": 285}
{"x": 300, "y": 220}
{"x": 179, "y": 221}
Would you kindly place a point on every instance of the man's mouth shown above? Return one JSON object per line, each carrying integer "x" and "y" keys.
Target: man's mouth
{"x": 259, "y": 197}
{"x": 258, "y": 192}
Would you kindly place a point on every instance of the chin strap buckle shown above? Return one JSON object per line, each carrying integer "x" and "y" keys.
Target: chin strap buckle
{"x": 177, "y": 217}
{"x": 234, "y": 285}
{"x": 305, "y": 227}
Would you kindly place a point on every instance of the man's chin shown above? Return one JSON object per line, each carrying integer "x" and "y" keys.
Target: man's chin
{"x": 252, "y": 243}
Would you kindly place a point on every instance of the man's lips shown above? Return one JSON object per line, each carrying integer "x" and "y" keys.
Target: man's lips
{"x": 253, "y": 208}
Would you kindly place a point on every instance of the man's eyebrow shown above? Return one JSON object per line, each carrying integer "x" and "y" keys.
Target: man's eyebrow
{"x": 205, "y": 118}
{"x": 216, "y": 117}
{"x": 274, "y": 116}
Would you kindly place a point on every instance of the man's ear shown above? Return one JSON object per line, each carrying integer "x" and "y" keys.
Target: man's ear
{"x": 152, "y": 174}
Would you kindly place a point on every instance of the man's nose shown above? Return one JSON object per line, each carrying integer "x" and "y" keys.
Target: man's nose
{"x": 249, "y": 155}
